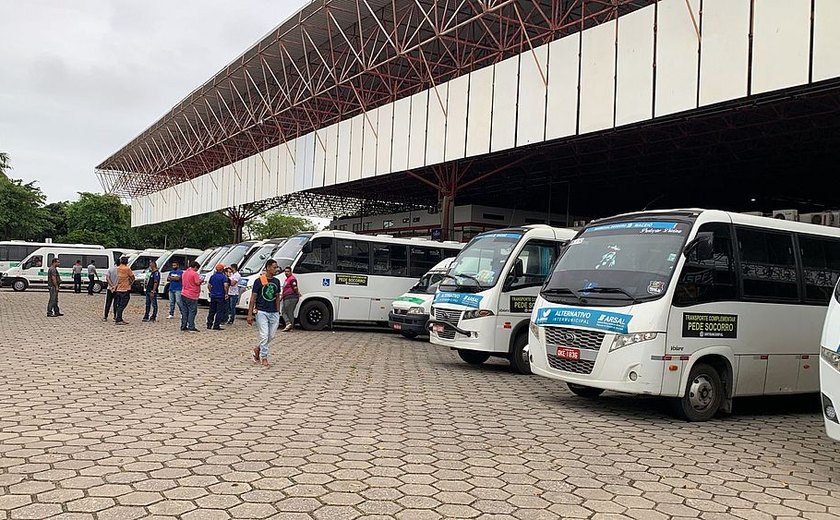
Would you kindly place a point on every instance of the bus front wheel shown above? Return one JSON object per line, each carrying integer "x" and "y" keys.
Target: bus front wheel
{"x": 519, "y": 355}
{"x": 314, "y": 315}
{"x": 473, "y": 357}
{"x": 703, "y": 394}
{"x": 585, "y": 391}
{"x": 19, "y": 285}
{"x": 97, "y": 287}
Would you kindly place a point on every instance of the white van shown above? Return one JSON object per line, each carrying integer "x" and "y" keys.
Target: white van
{"x": 183, "y": 256}
{"x": 12, "y": 252}
{"x": 138, "y": 263}
{"x": 483, "y": 306}
{"x": 410, "y": 312}
{"x": 33, "y": 269}
{"x": 234, "y": 254}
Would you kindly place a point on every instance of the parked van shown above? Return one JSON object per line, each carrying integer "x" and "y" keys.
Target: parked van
{"x": 183, "y": 256}
{"x": 234, "y": 254}
{"x": 410, "y": 312}
{"x": 12, "y": 252}
{"x": 139, "y": 262}
{"x": 33, "y": 269}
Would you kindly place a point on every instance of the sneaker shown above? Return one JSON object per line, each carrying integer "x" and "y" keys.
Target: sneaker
{"x": 105, "y": 318}
{"x": 288, "y": 328}
{"x": 59, "y": 314}
{"x": 193, "y": 330}
{"x": 170, "y": 317}
{"x": 152, "y": 319}
{"x": 209, "y": 326}
{"x": 218, "y": 328}
{"x": 50, "y": 315}
{"x": 145, "y": 319}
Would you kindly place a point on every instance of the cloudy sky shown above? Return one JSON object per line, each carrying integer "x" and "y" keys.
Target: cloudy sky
{"x": 80, "y": 78}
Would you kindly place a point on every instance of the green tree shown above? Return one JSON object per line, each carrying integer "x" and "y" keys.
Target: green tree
{"x": 56, "y": 224}
{"x": 5, "y": 165}
{"x": 277, "y": 225}
{"x": 201, "y": 231}
{"x": 99, "y": 219}
{"x": 22, "y": 214}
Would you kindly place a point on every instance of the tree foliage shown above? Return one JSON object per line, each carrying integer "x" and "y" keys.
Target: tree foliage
{"x": 277, "y": 225}
{"x": 22, "y": 214}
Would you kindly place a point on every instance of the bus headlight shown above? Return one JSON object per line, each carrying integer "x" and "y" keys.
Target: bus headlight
{"x": 416, "y": 310}
{"x": 477, "y": 313}
{"x": 831, "y": 357}
{"x": 623, "y": 340}
{"x": 535, "y": 330}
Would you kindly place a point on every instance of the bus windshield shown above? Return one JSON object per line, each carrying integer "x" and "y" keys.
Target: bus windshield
{"x": 287, "y": 253}
{"x": 479, "y": 265}
{"x": 256, "y": 260}
{"x": 213, "y": 259}
{"x": 617, "y": 264}
{"x": 234, "y": 255}
{"x": 428, "y": 283}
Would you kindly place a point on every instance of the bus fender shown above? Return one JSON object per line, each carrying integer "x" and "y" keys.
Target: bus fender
{"x": 320, "y": 297}
{"x": 520, "y": 328}
{"x": 720, "y": 357}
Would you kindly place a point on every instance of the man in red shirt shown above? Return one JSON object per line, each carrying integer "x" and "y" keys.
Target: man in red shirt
{"x": 189, "y": 296}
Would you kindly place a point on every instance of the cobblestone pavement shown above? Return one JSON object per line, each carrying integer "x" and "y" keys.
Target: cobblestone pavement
{"x": 107, "y": 422}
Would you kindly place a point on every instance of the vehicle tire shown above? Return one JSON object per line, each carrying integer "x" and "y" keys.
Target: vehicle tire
{"x": 519, "y": 356}
{"x": 97, "y": 287}
{"x": 19, "y": 285}
{"x": 585, "y": 391}
{"x": 314, "y": 315}
{"x": 165, "y": 292}
{"x": 703, "y": 394}
{"x": 473, "y": 357}
{"x": 409, "y": 334}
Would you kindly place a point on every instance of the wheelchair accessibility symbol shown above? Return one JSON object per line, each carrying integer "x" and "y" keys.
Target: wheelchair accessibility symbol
{"x": 325, "y": 282}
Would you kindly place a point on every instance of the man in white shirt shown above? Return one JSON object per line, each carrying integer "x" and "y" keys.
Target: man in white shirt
{"x": 111, "y": 280}
{"x": 92, "y": 275}
{"x": 233, "y": 292}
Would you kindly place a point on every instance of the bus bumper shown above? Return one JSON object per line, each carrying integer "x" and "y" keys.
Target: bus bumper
{"x": 830, "y": 399}
{"x": 408, "y": 323}
{"x": 477, "y": 334}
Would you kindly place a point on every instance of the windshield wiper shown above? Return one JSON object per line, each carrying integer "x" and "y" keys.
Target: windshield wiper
{"x": 470, "y": 277}
{"x": 563, "y": 290}
{"x": 613, "y": 290}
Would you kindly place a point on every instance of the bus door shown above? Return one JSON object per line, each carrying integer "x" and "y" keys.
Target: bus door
{"x": 519, "y": 292}
{"x": 352, "y": 282}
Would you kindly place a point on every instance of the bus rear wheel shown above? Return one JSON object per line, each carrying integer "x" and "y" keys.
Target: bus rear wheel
{"x": 473, "y": 357}
{"x": 519, "y": 355}
{"x": 314, "y": 315}
{"x": 703, "y": 394}
{"x": 97, "y": 287}
{"x": 19, "y": 285}
{"x": 585, "y": 391}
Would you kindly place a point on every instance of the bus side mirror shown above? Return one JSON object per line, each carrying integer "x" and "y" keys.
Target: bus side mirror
{"x": 307, "y": 248}
{"x": 517, "y": 270}
{"x": 702, "y": 246}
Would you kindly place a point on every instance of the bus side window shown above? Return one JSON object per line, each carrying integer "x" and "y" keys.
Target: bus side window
{"x": 713, "y": 280}
{"x": 768, "y": 265}
{"x": 319, "y": 259}
{"x": 820, "y": 267}
{"x": 390, "y": 260}
{"x": 535, "y": 259}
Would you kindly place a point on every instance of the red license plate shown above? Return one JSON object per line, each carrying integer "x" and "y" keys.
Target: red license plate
{"x": 437, "y": 328}
{"x": 572, "y": 354}
{"x": 397, "y": 326}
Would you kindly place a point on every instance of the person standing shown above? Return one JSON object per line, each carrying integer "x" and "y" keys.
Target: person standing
{"x": 122, "y": 293}
{"x": 54, "y": 282}
{"x": 265, "y": 300}
{"x": 111, "y": 282}
{"x": 174, "y": 279}
{"x": 190, "y": 290}
{"x": 92, "y": 275}
{"x": 151, "y": 287}
{"x": 77, "y": 277}
{"x": 217, "y": 287}
{"x": 291, "y": 296}
{"x": 233, "y": 292}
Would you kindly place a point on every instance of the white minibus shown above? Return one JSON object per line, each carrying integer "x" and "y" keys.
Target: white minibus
{"x": 183, "y": 256}
{"x": 482, "y": 308}
{"x": 12, "y": 252}
{"x": 138, "y": 263}
{"x": 345, "y": 277}
{"x": 698, "y": 305}
{"x": 410, "y": 312}
{"x": 253, "y": 265}
{"x": 33, "y": 269}
{"x": 234, "y": 254}
{"x": 830, "y": 364}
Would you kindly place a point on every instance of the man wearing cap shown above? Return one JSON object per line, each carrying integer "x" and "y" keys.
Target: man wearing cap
{"x": 217, "y": 286}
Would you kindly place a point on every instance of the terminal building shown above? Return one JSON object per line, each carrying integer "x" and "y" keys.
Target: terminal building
{"x": 556, "y": 107}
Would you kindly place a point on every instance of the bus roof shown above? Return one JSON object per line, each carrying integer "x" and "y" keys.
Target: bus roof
{"x": 412, "y": 241}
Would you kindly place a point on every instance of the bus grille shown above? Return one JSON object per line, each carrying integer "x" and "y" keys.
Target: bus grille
{"x": 447, "y": 316}
{"x": 574, "y": 338}
{"x": 578, "y": 367}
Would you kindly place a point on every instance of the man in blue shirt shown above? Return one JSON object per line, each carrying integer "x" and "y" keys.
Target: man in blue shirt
{"x": 175, "y": 285}
{"x": 151, "y": 287}
{"x": 218, "y": 288}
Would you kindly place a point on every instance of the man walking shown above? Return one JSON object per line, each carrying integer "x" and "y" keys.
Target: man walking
{"x": 111, "y": 282}
{"x": 174, "y": 279}
{"x": 291, "y": 296}
{"x": 54, "y": 282}
{"x": 233, "y": 292}
{"x": 190, "y": 290}
{"x": 122, "y": 294}
{"x": 92, "y": 275}
{"x": 217, "y": 287}
{"x": 151, "y": 287}
{"x": 77, "y": 277}
{"x": 265, "y": 300}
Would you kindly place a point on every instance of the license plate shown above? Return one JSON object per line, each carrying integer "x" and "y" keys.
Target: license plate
{"x": 572, "y": 354}
{"x": 437, "y": 328}
{"x": 397, "y": 326}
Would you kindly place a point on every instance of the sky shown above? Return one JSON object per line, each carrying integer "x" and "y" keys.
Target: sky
{"x": 81, "y": 78}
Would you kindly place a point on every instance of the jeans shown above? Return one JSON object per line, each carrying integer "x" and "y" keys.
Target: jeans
{"x": 217, "y": 312}
{"x": 232, "y": 301}
{"x": 77, "y": 283}
{"x": 121, "y": 302}
{"x": 151, "y": 304}
{"x": 289, "y": 305}
{"x": 175, "y": 298}
{"x": 109, "y": 300}
{"x": 52, "y": 306}
{"x": 267, "y": 323}
{"x": 189, "y": 308}
{"x": 91, "y": 278}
